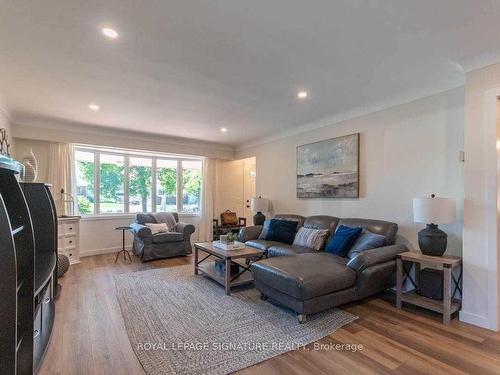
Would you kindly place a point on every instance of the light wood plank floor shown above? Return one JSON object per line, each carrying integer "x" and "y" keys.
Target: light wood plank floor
{"x": 89, "y": 336}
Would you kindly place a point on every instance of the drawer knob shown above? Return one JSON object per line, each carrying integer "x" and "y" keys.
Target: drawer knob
{"x": 70, "y": 241}
{"x": 70, "y": 228}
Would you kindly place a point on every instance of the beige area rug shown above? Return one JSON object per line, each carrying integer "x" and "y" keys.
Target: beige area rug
{"x": 179, "y": 323}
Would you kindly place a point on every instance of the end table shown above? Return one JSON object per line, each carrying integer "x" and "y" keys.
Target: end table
{"x": 448, "y": 305}
{"x": 125, "y": 252}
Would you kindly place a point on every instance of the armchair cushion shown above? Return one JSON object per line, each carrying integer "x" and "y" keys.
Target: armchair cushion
{"x": 168, "y": 237}
{"x": 372, "y": 257}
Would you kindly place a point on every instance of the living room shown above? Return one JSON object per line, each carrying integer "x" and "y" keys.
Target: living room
{"x": 163, "y": 128}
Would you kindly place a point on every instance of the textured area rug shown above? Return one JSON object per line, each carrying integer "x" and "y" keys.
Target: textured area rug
{"x": 179, "y": 323}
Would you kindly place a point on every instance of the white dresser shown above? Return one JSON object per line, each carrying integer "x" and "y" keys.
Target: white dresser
{"x": 68, "y": 237}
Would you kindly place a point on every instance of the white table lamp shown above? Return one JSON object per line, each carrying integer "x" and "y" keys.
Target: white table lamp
{"x": 433, "y": 211}
{"x": 259, "y": 205}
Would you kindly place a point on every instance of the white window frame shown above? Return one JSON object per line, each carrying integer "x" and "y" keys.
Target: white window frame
{"x": 127, "y": 154}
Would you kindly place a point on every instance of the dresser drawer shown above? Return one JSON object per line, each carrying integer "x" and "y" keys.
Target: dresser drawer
{"x": 69, "y": 229}
{"x": 69, "y": 242}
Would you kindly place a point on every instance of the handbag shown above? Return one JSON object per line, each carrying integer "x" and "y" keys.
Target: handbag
{"x": 228, "y": 218}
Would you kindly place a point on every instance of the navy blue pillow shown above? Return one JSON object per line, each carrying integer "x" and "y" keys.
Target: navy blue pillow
{"x": 281, "y": 231}
{"x": 342, "y": 240}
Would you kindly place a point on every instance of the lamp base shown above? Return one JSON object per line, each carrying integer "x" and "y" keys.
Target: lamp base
{"x": 259, "y": 218}
{"x": 432, "y": 240}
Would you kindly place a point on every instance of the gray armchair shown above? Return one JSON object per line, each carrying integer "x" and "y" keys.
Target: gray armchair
{"x": 161, "y": 245}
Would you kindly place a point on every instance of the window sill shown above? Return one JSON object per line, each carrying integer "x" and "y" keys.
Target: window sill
{"x": 124, "y": 216}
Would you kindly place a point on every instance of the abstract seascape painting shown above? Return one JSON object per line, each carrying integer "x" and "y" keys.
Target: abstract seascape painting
{"x": 329, "y": 169}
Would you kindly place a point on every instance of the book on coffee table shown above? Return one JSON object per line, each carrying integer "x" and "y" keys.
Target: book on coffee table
{"x": 234, "y": 246}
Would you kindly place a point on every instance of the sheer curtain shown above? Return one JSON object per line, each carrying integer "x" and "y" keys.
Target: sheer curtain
{"x": 205, "y": 228}
{"x": 60, "y": 175}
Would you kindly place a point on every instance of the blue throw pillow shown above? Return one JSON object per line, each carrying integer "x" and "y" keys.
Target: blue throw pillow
{"x": 281, "y": 231}
{"x": 342, "y": 240}
{"x": 366, "y": 241}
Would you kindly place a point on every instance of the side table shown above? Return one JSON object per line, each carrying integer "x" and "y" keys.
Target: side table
{"x": 448, "y": 305}
{"x": 125, "y": 252}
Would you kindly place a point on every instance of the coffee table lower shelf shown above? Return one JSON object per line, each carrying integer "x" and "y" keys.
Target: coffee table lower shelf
{"x": 207, "y": 268}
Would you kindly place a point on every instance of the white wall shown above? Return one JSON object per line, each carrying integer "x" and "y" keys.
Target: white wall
{"x": 481, "y": 261}
{"x": 408, "y": 151}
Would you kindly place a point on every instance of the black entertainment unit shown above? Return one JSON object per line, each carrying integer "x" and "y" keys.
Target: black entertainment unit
{"x": 28, "y": 249}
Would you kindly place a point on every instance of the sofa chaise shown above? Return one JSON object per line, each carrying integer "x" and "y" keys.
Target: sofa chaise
{"x": 309, "y": 281}
{"x": 150, "y": 246}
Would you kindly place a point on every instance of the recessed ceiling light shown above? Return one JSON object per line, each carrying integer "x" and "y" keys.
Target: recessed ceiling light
{"x": 302, "y": 94}
{"x": 110, "y": 33}
{"x": 223, "y": 130}
{"x": 94, "y": 107}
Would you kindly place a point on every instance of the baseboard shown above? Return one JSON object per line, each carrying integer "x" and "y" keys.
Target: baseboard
{"x": 106, "y": 250}
{"x": 474, "y": 319}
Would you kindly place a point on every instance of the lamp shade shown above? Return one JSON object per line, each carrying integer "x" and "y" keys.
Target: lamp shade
{"x": 434, "y": 210}
{"x": 259, "y": 204}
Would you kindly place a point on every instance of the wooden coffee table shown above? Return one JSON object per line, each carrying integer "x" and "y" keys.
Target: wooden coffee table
{"x": 229, "y": 256}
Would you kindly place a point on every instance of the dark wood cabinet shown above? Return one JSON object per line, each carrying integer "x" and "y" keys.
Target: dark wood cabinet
{"x": 28, "y": 250}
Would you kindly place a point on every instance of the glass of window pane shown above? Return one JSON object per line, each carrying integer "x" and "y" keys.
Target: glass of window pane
{"x": 166, "y": 185}
{"x": 191, "y": 181}
{"x": 85, "y": 178}
{"x": 111, "y": 187}
{"x": 140, "y": 185}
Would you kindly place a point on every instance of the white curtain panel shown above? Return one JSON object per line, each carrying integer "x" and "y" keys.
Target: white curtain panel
{"x": 60, "y": 174}
{"x": 207, "y": 201}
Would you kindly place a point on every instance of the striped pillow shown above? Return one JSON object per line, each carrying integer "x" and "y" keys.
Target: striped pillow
{"x": 313, "y": 238}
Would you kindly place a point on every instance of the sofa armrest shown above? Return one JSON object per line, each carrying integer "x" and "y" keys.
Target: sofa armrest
{"x": 140, "y": 230}
{"x": 186, "y": 229}
{"x": 250, "y": 233}
{"x": 372, "y": 257}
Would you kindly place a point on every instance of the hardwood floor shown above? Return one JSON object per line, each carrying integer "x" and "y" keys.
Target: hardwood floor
{"x": 89, "y": 336}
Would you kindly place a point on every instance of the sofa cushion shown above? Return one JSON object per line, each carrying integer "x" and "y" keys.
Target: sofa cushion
{"x": 263, "y": 244}
{"x": 289, "y": 217}
{"x": 305, "y": 276}
{"x": 157, "y": 228}
{"x": 313, "y": 238}
{"x": 281, "y": 231}
{"x": 385, "y": 228}
{"x": 168, "y": 237}
{"x": 342, "y": 240}
{"x": 366, "y": 241}
{"x": 284, "y": 250}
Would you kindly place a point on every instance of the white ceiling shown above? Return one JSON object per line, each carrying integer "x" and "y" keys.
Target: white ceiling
{"x": 188, "y": 67}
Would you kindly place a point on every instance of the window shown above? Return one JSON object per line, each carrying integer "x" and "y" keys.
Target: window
{"x": 117, "y": 182}
{"x": 111, "y": 184}
{"x": 166, "y": 185}
{"x": 191, "y": 177}
{"x": 85, "y": 181}
{"x": 140, "y": 172}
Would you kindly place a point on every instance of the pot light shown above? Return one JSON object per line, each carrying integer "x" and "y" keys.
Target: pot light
{"x": 223, "y": 130}
{"x": 302, "y": 94}
{"x": 94, "y": 107}
{"x": 109, "y": 33}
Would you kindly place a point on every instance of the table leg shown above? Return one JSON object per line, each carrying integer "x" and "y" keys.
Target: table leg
{"x": 399, "y": 282}
{"x": 417, "y": 276}
{"x": 447, "y": 295}
{"x": 227, "y": 281}
{"x": 196, "y": 260}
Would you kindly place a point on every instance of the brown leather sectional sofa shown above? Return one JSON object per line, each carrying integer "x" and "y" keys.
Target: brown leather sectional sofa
{"x": 309, "y": 281}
